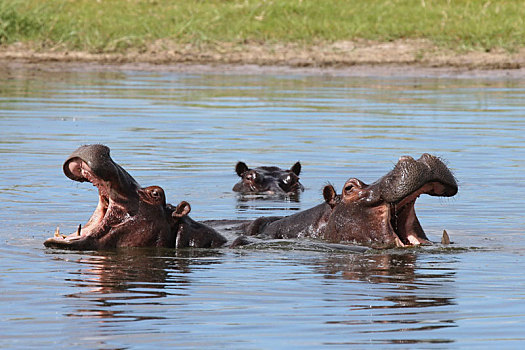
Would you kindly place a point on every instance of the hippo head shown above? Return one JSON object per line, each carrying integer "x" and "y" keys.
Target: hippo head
{"x": 126, "y": 215}
{"x": 268, "y": 179}
{"x": 382, "y": 214}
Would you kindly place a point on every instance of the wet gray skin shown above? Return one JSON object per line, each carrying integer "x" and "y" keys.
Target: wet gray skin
{"x": 128, "y": 215}
{"x": 379, "y": 215}
{"x": 268, "y": 180}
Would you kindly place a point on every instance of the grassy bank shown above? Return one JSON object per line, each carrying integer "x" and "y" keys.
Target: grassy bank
{"x": 117, "y": 25}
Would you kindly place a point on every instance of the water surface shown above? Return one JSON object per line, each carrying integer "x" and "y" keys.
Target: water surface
{"x": 185, "y": 132}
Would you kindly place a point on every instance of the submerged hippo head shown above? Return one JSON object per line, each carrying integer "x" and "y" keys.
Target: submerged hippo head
{"x": 127, "y": 215}
{"x": 268, "y": 179}
{"x": 382, "y": 214}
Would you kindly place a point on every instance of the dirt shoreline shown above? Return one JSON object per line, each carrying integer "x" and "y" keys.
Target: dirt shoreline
{"x": 362, "y": 58}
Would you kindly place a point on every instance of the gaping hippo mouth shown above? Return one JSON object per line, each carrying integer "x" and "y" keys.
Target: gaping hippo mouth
{"x": 403, "y": 220}
{"x": 101, "y": 216}
{"x": 432, "y": 177}
{"x": 117, "y": 192}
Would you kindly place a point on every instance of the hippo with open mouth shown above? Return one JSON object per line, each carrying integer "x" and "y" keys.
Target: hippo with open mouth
{"x": 379, "y": 215}
{"x": 128, "y": 215}
{"x": 268, "y": 180}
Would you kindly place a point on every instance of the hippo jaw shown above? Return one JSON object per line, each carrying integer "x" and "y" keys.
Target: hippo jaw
{"x": 126, "y": 214}
{"x": 383, "y": 214}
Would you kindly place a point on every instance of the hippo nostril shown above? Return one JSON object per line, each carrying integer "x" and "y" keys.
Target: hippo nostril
{"x": 73, "y": 169}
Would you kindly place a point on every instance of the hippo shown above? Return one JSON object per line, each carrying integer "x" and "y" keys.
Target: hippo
{"x": 128, "y": 215}
{"x": 268, "y": 180}
{"x": 379, "y": 215}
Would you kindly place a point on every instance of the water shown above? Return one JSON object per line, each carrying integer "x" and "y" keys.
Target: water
{"x": 185, "y": 132}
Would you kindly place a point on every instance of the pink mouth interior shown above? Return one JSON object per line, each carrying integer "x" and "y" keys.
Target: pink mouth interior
{"x": 82, "y": 172}
{"x": 403, "y": 214}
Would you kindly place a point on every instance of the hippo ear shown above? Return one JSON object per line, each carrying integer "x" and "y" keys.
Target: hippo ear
{"x": 329, "y": 195}
{"x": 241, "y": 168}
{"x": 182, "y": 209}
{"x": 296, "y": 169}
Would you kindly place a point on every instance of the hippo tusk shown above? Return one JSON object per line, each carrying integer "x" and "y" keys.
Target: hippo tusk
{"x": 445, "y": 239}
{"x": 57, "y": 233}
{"x": 398, "y": 242}
{"x": 79, "y": 229}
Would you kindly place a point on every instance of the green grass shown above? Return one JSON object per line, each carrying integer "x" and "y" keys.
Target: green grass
{"x": 116, "y": 25}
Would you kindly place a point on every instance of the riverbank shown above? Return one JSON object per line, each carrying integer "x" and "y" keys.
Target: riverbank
{"x": 286, "y": 34}
{"x": 400, "y": 57}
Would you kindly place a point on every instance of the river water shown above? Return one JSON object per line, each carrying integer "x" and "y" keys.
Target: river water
{"x": 185, "y": 132}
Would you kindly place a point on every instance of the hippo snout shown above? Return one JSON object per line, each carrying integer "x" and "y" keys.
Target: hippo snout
{"x": 409, "y": 175}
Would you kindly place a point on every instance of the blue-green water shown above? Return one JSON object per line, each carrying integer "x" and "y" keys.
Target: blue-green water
{"x": 185, "y": 132}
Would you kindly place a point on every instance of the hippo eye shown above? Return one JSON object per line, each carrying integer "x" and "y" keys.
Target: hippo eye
{"x": 155, "y": 193}
{"x": 287, "y": 179}
{"x": 349, "y": 188}
{"x": 253, "y": 177}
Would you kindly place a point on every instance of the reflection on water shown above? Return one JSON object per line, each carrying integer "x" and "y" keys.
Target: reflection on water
{"x": 397, "y": 270}
{"x": 180, "y": 292}
{"x": 134, "y": 276}
{"x": 262, "y": 204}
{"x": 185, "y": 132}
{"x": 412, "y": 298}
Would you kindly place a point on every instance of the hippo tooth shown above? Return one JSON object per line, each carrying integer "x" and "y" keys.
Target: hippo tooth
{"x": 79, "y": 229}
{"x": 398, "y": 242}
{"x": 57, "y": 232}
{"x": 445, "y": 239}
